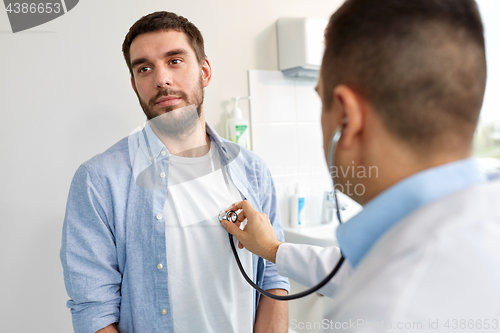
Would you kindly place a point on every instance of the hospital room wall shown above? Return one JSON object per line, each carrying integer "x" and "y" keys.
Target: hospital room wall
{"x": 65, "y": 96}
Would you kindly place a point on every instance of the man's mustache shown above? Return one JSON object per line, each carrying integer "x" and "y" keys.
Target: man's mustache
{"x": 167, "y": 92}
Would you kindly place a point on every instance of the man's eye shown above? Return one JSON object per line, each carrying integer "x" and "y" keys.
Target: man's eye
{"x": 144, "y": 69}
{"x": 175, "y": 61}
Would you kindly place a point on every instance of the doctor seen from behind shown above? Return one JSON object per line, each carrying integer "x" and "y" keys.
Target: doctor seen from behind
{"x": 403, "y": 81}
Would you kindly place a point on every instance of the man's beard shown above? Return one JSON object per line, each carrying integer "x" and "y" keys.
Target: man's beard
{"x": 173, "y": 121}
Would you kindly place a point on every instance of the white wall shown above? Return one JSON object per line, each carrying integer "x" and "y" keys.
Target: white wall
{"x": 286, "y": 111}
{"x": 65, "y": 96}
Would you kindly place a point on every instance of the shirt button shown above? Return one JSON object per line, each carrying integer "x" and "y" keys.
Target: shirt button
{"x": 162, "y": 175}
{"x": 160, "y": 266}
{"x": 164, "y": 311}
{"x": 150, "y": 158}
{"x": 163, "y": 153}
{"x": 158, "y": 217}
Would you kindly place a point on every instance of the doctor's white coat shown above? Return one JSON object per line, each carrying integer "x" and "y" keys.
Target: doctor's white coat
{"x": 437, "y": 270}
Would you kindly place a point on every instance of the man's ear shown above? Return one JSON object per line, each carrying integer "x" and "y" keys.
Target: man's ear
{"x": 133, "y": 84}
{"x": 351, "y": 106}
{"x": 206, "y": 72}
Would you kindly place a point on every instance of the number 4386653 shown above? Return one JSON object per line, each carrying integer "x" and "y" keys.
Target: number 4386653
{"x": 471, "y": 324}
{"x": 33, "y": 8}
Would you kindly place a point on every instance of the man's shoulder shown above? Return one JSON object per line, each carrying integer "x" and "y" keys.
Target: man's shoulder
{"x": 113, "y": 160}
{"x": 243, "y": 155}
{"x": 237, "y": 153}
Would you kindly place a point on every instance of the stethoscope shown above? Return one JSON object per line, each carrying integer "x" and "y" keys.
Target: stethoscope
{"x": 232, "y": 216}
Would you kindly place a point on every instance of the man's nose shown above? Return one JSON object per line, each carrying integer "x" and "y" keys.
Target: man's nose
{"x": 163, "y": 78}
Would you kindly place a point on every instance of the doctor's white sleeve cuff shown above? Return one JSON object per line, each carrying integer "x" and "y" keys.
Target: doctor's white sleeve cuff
{"x": 308, "y": 265}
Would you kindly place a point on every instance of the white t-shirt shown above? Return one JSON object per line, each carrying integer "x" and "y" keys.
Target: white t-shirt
{"x": 207, "y": 291}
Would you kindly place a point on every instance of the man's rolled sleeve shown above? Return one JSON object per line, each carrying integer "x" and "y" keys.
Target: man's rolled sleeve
{"x": 89, "y": 255}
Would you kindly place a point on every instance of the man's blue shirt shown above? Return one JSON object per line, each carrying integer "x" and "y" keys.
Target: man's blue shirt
{"x": 358, "y": 235}
{"x": 113, "y": 248}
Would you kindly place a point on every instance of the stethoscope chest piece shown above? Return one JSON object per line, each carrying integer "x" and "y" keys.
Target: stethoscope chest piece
{"x": 230, "y": 216}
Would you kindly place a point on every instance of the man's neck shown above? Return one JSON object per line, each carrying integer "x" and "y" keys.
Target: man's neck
{"x": 192, "y": 143}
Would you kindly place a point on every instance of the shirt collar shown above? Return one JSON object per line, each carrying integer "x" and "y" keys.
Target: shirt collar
{"x": 358, "y": 235}
{"x": 152, "y": 142}
{"x": 228, "y": 150}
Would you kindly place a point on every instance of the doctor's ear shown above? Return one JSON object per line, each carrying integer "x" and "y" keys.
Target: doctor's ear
{"x": 350, "y": 105}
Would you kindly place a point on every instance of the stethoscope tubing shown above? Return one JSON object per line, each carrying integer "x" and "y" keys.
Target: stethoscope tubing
{"x": 287, "y": 297}
{"x": 331, "y": 153}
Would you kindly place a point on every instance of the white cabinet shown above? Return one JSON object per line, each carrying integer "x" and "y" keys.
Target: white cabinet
{"x": 300, "y": 45}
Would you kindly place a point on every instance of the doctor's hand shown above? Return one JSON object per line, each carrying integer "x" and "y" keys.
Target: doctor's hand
{"x": 258, "y": 236}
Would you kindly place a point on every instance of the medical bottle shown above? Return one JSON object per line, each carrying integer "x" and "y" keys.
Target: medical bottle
{"x": 297, "y": 202}
{"x": 237, "y": 129}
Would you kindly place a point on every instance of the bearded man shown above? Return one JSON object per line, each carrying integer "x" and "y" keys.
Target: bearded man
{"x": 142, "y": 247}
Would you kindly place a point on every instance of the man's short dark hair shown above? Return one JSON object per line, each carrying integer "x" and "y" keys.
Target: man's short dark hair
{"x": 164, "y": 21}
{"x": 420, "y": 63}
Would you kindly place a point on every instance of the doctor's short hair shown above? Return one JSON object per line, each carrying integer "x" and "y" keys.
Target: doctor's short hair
{"x": 420, "y": 63}
{"x": 164, "y": 21}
